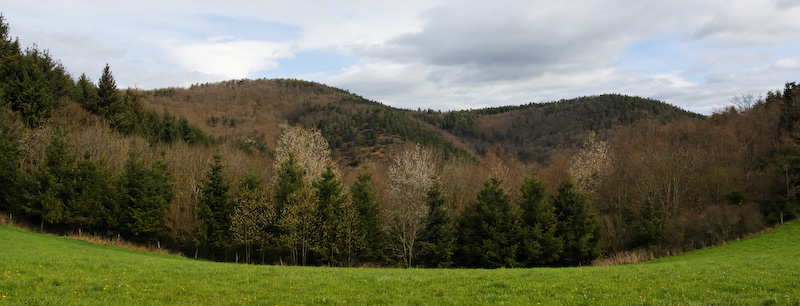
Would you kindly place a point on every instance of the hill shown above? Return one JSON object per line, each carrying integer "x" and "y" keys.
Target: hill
{"x": 252, "y": 110}
{"x": 44, "y": 269}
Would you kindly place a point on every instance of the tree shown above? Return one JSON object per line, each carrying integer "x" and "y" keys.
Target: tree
{"x": 9, "y": 167}
{"x": 330, "y": 202}
{"x": 590, "y": 165}
{"x": 309, "y": 149}
{"x": 52, "y": 184}
{"x": 86, "y": 94}
{"x": 215, "y": 208}
{"x": 288, "y": 179}
{"x": 107, "y": 92}
{"x": 251, "y": 215}
{"x": 144, "y": 197}
{"x": 364, "y": 200}
{"x": 299, "y": 222}
{"x": 93, "y": 203}
{"x": 577, "y": 226}
{"x": 488, "y": 231}
{"x": 404, "y": 216}
{"x": 349, "y": 228}
{"x": 539, "y": 245}
{"x": 437, "y": 240}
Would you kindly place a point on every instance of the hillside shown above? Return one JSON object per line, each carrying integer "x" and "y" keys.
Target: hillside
{"x": 359, "y": 129}
{"x": 758, "y": 270}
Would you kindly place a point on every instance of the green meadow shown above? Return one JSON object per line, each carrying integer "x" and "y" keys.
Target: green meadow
{"x": 44, "y": 269}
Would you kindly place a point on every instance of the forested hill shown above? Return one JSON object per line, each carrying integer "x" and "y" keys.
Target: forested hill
{"x": 251, "y": 111}
{"x": 535, "y": 131}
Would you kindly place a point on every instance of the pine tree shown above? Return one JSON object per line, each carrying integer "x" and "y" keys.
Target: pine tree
{"x": 438, "y": 242}
{"x": 539, "y": 244}
{"x": 215, "y": 208}
{"x": 577, "y": 226}
{"x": 289, "y": 179}
{"x": 488, "y": 231}
{"x": 52, "y": 184}
{"x": 329, "y": 200}
{"x": 364, "y": 195}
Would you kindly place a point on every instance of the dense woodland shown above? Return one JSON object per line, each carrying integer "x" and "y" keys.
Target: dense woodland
{"x": 295, "y": 172}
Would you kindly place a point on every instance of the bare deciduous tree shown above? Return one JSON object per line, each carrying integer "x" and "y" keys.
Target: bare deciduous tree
{"x": 410, "y": 178}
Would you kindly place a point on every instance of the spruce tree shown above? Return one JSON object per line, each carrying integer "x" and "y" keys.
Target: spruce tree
{"x": 488, "y": 231}
{"x": 329, "y": 208}
{"x": 86, "y": 94}
{"x": 288, "y": 180}
{"x": 365, "y": 200}
{"x": 52, "y": 184}
{"x": 215, "y": 208}
{"x": 539, "y": 244}
{"x": 93, "y": 204}
{"x": 145, "y": 195}
{"x": 437, "y": 240}
{"x": 107, "y": 92}
{"x": 577, "y": 226}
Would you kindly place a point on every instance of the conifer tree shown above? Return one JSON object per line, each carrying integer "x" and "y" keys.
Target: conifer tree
{"x": 86, "y": 94}
{"x": 488, "y": 231}
{"x": 9, "y": 169}
{"x": 215, "y": 208}
{"x": 329, "y": 208}
{"x": 364, "y": 195}
{"x": 93, "y": 203}
{"x": 539, "y": 244}
{"x": 144, "y": 197}
{"x": 577, "y": 226}
{"x": 437, "y": 240}
{"x": 288, "y": 179}
{"x": 107, "y": 92}
{"x": 52, "y": 184}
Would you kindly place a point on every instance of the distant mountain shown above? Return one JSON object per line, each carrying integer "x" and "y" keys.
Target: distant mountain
{"x": 251, "y": 111}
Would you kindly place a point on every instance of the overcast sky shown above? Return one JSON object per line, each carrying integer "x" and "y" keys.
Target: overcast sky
{"x": 696, "y": 54}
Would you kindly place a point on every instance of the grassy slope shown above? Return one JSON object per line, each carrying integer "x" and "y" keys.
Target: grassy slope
{"x": 40, "y": 269}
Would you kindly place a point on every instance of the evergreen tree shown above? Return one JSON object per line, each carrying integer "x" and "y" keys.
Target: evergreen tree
{"x": 9, "y": 168}
{"x": 539, "y": 244}
{"x": 577, "y": 226}
{"x": 145, "y": 195}
{"x": 364, "y": 195}
{"x": 329, "y": 207}
{"x": 288, "y": 180}
{"x": 93, "y": 204}
{"x": 52, "y": 184}
{"x": 86, "y": 94}
{"x": 437, "y": 240}
{"x": 107, "y": 92}
{"x": 488, "y": 231}
{"x": 215, "y": 208}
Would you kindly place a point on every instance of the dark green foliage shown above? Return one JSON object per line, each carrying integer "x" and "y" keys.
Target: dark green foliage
{"x": 126, "y": 113}
{"x": 365, "y": 199}
{"x": 251, "y": 182}
{"x": 438, "y": 241}
{"x": 145, "y": 194}
{"x": 329, "y": 208}
{"x": 51, "y": 186}
{"x": 577, "y": 226}
{"x": 10, "y": 175}
{"x": 540, "y": 245}
{"x": 107, "y": 92}
{"x": 86, "y": 94}
{"x": 290, "y": 180}
{"x": 488, "y": 231}
{"x": 93, "y": 204}
{"x": 215, "y": 208}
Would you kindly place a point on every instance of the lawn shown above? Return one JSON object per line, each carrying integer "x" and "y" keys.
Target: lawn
{"x": 43, "y": 269}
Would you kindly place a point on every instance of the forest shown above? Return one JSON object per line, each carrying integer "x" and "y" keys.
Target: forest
{"x": 293, "y": 172}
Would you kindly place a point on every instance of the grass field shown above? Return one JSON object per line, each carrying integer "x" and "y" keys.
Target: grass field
{"x": 41, "y": 269}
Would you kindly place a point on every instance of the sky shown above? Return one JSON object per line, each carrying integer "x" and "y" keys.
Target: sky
{"x": 432, "y": 54}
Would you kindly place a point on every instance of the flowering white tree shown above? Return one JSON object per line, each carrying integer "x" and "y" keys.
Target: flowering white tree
{"x": 309, "y": 148}
{"x": 410, "y": 178}
{"x": 590, "y": 165}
